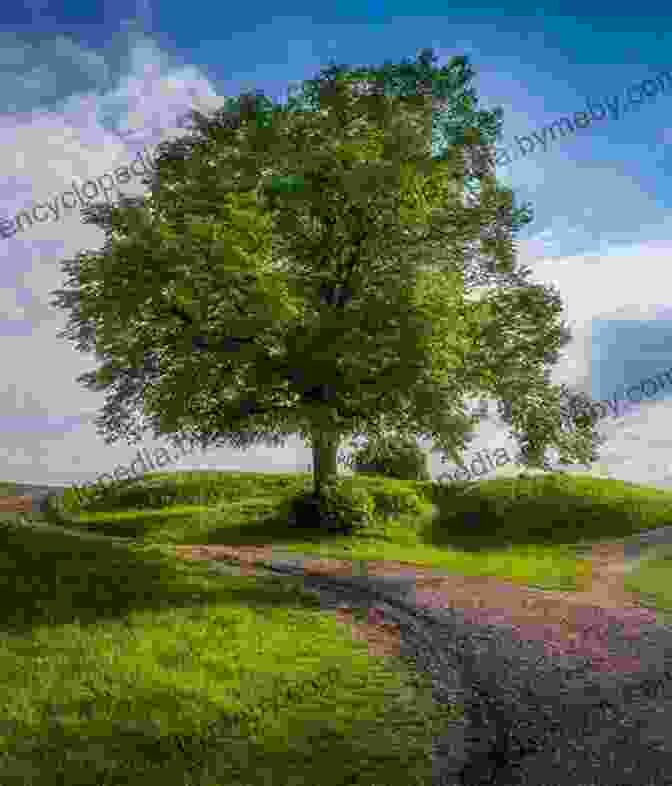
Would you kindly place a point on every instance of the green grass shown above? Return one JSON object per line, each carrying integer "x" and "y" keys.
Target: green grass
{"x": 119, "y": 665}
{"x": 652, "y": 581}
{"x": 529, "y": 530}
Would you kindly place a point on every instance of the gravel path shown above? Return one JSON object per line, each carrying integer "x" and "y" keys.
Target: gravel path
{"x": 532, "y": 719}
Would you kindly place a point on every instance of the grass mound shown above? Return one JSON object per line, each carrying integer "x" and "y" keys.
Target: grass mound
{"x": 120, "y": 665}
{"x": 556, "y": 508}
{"x": 528, "y": 530}
{"x": 157, "y": 490}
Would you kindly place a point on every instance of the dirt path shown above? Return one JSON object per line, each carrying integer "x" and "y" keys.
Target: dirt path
{"x": 523, "y": 607}
{"x": 600, "y": 719}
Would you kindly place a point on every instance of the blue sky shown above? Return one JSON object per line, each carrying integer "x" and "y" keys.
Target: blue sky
{"x": 76, "y": 78}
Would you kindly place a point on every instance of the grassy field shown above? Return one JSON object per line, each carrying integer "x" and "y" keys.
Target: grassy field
{"x": 529, "y": 530}
{"x": 120, "y": 664}
{"x": 652, "y": 581}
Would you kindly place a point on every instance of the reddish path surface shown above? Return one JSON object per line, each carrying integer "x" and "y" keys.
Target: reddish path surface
{"x": 568, "y": 622}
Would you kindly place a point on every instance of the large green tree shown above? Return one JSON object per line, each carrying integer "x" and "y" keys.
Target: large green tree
{"x": 342, "y": 265}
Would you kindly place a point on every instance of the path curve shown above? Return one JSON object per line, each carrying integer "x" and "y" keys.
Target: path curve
{"x": 533, "y": 718}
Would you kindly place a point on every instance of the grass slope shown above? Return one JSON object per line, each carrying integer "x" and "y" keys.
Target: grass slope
{"x": 122, "y": 666}
{"x": 119, "y": 664}
{"x": 529, "y": 530}
{"x": 652, "y": 581}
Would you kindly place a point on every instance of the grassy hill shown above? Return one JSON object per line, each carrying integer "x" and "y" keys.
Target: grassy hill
{"x": 120, "y": 664}
{"x": 526, "y": 529}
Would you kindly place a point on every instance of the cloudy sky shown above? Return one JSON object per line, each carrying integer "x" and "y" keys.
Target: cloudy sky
{"x": 88, "y": 89}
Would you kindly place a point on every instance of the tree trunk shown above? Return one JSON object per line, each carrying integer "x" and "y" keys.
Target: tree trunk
{"x": 325, "y": 448}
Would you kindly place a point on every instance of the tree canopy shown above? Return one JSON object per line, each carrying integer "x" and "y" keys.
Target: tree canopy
{"x": 337, "y": 266}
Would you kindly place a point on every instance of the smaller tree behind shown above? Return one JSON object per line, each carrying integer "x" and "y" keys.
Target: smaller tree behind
{"x": 394, "y": 457}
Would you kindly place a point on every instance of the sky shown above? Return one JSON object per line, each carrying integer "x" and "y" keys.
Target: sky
{"x": 89, "y": 88}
